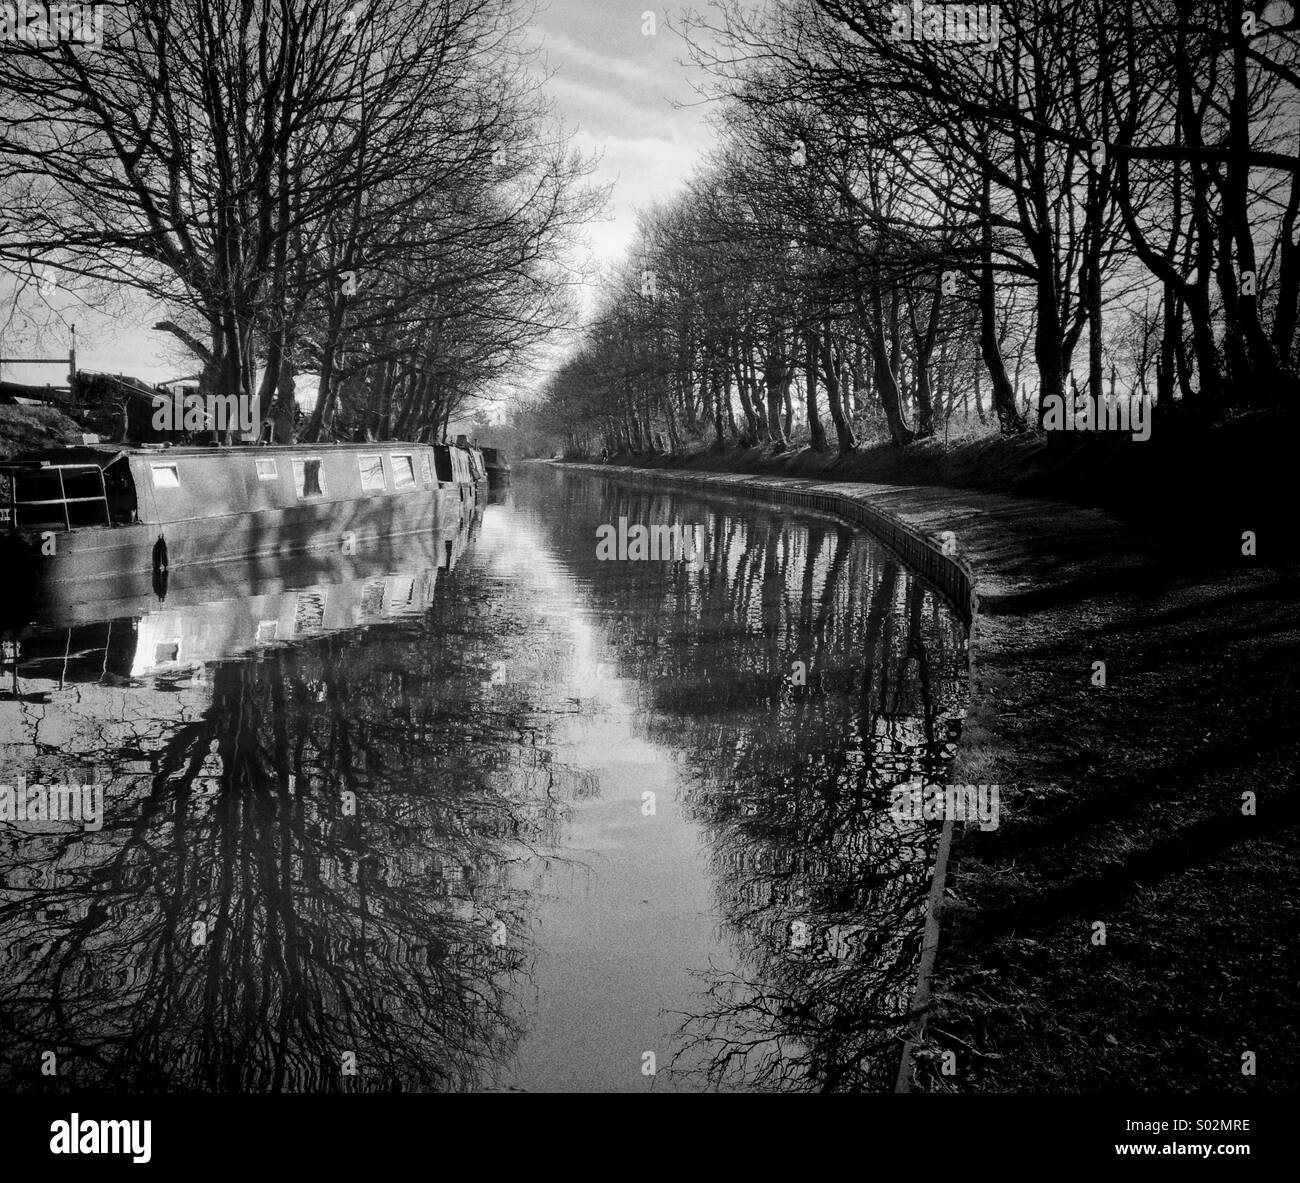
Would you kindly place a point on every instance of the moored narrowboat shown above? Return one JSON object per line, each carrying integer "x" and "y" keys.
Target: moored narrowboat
{"x": 474, "y": 458}
{"x": 100, "y": 512}
{"x": 498, "y": 467}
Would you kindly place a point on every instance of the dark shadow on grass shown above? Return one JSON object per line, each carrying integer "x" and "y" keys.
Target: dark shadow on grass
{"x": 1191, "y": 846}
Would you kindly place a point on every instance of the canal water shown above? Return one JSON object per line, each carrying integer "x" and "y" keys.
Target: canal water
{"x": 491, "y": 812}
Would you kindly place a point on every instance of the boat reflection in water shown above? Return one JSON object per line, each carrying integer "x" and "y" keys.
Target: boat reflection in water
{"x": 216, "y": 611}
{"x": 299, "y": 884}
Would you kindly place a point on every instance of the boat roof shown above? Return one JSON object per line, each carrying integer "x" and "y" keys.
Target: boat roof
{"x": 104, "y": 454}
{"x": 99, "y": 455}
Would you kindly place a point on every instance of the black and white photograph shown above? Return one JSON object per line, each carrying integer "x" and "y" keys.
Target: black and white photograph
{"x": 567, "y": 547}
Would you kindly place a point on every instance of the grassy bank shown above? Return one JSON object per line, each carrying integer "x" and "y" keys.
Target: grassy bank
{"x": 26, "y": 428}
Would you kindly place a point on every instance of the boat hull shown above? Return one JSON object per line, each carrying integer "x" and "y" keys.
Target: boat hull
{"x": 140, "y": 553}
{"x": 224, "y": 605}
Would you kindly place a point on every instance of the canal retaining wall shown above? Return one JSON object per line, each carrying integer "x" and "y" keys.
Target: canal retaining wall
{"x": 938, "y": 558}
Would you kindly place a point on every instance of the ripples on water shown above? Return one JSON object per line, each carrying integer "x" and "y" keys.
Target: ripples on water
{"x": 487, "y": 814}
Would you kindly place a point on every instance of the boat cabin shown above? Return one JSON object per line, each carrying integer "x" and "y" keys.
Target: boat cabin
{"x": 70, "y": 488}
{"x": 452, "y": 464}
{"x": 74, "y": 487}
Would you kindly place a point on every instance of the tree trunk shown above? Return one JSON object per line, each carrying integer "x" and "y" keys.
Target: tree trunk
{"x": 834, "y": 396}
{"x": 1010, "y": 420}
{"x": 886, "y": 384}
{"x": 816, "y": 433}
{"x": 715, "y": 385}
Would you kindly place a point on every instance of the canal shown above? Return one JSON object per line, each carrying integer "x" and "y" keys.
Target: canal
{"x": 491, "y": 812}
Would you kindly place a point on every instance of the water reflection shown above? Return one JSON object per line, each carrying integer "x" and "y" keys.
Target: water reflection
{"x": 787, "y": 768}
{"x": 297, "y": 875}
{"x": 388, "y": 815}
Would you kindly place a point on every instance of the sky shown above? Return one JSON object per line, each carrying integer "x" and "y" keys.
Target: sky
{"x": 612, "y": 84}
{"x": 618, "y": 86}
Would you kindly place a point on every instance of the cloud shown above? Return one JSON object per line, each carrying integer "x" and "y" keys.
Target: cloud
{"x": 561, "y": 49}
{"x": 594, "y": 106}
{"x": 642, "y": 170}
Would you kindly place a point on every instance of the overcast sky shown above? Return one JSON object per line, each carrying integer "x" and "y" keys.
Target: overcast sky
{"x": 612, "y": 84}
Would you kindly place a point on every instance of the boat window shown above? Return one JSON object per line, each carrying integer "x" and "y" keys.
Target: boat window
{"x": 165, "y": 476}
{"x": 425, "y": 474}
{"x": 372, "y": 472}
{"x": 401, "y": 593}
{"x": 166, "y": 652}
{"x": 403, "y": 472}
{"x": 372, "y": 597}
{"x": 267, "y": 470}
{"x": 309, "y": 612}
{"x": 308, "y": 479}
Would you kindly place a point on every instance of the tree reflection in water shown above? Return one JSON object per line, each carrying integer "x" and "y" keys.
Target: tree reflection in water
{"x": 392, "y": 933}
{"x": 821, "y": 895}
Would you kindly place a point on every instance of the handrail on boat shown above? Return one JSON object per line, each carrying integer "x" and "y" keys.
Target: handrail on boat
{"x": 28, "y": 469}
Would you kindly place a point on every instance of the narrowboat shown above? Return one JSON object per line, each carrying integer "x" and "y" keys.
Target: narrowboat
{"x": 101, "y": 513}
{"x": 498, "y": 467}
{"x": 474, "y": 458}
